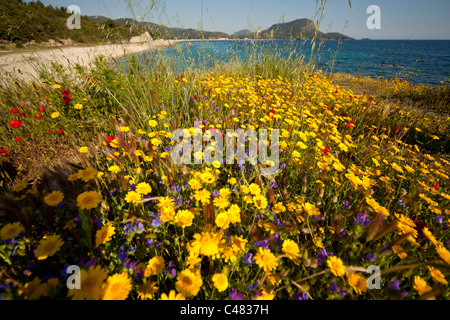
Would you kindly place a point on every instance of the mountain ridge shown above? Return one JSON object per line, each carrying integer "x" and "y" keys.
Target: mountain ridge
{"x": 303, "y": 29}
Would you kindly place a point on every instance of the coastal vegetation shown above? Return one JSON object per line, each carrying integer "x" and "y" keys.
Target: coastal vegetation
{"x": 88, "y": 180}
{"x": 25, "y": 22}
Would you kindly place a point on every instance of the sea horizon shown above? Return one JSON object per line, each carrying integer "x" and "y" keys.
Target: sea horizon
{"x": 415, "y": 61}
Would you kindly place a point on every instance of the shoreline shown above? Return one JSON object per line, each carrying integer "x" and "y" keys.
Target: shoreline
{"x": 25, "y": 65}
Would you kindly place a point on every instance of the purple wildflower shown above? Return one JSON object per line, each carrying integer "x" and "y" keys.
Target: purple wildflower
{"x": 99, "y": 223}
{"x": 173, "y": 272}
{"x": 252, "y": 286}
{"x": 156, "y": 222}
{"x": 361, "y": 219}
{"x": 275, "y": 238}
{"x": 114, "y": 192}
{"x": 215, "y": 194}
{"x": 133, "y": 264}
{"x": 404, "y": 293}
{"x": 248, "y": 257}
{"x": 369, "y": 257}
{"x": 63, "y": 272}
{"x": 257, "y": 294}
{"x": 385, "y": 246}
{"x": 323, "y": 254}
{"x": 139, "y": 226}
{"x": 90, "y": 262}
{"x": 263, "y": 243}
{"x": 236, "y": 295}
{"x": 439, "y": 219}
{"x": 342, "y": 293}
{"x": 300, "y": 296}
{"x": 333, "y": 287}
{"x": 346, "y": 204}
{"x": 122, "y": 254}
{"x": 128, "y": 228}
{"x": 395, "y": 284}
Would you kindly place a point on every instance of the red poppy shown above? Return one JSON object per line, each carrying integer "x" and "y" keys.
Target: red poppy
{"x": 348, "y": 126}
{"x": 195, "y": 96}
{"x": 436, "y": 186}
{"x": 18, "y": 139}
{"x": 3, "y": 153}
{"x": 326, "y": 150}
{"x": 15, "y": 123}
{"x": 111, "y": 138}
{"x": 66, "y": 99}
{"x": 60, "y": 131}
{"x": 344, "y": 114}
{"x": 65, "y": 92}
{"x": 336, "y": 91}
{"x": 271, "y": 113}
{"x": 352, "y": 121}
{"x": 13, "y": 110}
{"x": 22, "y": 114}
{"x": 42, "y": 109}
{"x": 39, "y": 116}
{"x": 419, "y": 227}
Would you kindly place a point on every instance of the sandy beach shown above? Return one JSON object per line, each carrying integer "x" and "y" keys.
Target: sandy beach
{"x": 24, "y": 64}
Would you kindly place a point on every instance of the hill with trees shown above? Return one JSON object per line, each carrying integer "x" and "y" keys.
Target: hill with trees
{"x": 159, "y": 31}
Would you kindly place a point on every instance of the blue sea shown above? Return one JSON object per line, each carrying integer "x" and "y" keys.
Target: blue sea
{"x": 418, "y": 61}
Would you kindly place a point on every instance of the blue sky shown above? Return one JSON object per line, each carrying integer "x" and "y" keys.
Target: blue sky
{"x": 400, "y": 19}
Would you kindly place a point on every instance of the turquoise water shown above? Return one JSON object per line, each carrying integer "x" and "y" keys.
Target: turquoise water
{"x": 418, "y": 61}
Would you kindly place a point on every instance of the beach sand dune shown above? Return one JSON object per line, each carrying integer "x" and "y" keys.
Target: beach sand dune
{"x": 24, "y": 65}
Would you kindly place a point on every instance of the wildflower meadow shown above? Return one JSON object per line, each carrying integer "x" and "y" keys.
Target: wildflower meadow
{"x": 93, "y": 205}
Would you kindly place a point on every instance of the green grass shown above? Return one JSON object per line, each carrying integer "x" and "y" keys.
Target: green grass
{"x": 352, "y": 149}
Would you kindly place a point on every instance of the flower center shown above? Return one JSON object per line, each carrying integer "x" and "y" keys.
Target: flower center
{"x": 115, "y": 287}
{"x": 89, "y": 284}
{"x": 187, "y": 281}
{"x": 50, "y": 246}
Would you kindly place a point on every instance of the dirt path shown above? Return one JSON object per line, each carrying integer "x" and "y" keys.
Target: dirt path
{"x": 25, "y": 65}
